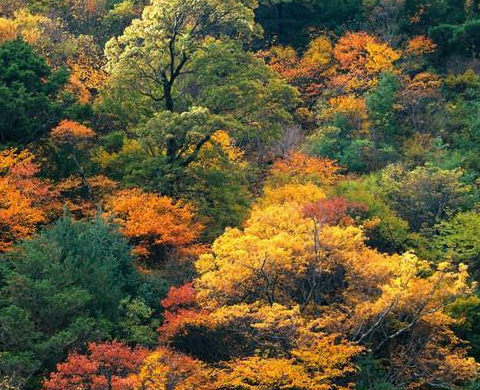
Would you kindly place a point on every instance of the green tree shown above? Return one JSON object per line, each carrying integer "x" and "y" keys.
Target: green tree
{"x": 380, "y": 104}
{"x": 28, "y": 93}
{"x": 458, "y": 240}
{"x": 59, "y": 290}
{"x": 425, "y": 195}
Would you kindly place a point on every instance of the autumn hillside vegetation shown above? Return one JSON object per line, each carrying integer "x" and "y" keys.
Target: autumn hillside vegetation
{"x": 239, "y": 195}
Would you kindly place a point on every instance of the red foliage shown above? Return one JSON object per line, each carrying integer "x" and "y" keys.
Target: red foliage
{"x": 179, "y": 297}
{"x": 106, "y": 366}
{"x": 334, "y": 211}
{"x": 181, "y": 310}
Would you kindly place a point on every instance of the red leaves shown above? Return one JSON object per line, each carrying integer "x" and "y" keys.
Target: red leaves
{"x": 334, "y": 211}
{"x": 179, "y": 297}
{"x": 106, "y": 366}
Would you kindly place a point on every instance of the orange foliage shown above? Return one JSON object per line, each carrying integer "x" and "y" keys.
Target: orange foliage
{"x": 72, "y": 193}
{"x": 69, "y": 131}
{"x": 107, "y": 366}
{"x": 8, "y": 30}
{"x": 179, "y": 297}
{"x": 420, "y": 45}
{"x": 24, "y": 198}
{"x": 152, "y": 220}
{"x": 307, "y": 73}
{"x": 361, "y": 59}
{"x": 87, "y": 74}
{"x": 301, "y": 168}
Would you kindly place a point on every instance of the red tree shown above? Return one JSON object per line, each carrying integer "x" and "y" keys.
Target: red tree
{"x": 106, "y": 366}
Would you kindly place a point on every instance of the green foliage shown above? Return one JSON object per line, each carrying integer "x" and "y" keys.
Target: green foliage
{"x": 28, "y": 91}
{"x": 457, "y": 239}
{"x": 425, "y": 195}
{"x": 388, "y": 232}
{"x": 136, "y": 324}
{"x": 381, "y": 111}
{"x": 59, "y": 290}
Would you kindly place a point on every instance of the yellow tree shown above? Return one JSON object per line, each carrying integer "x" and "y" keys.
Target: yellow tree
{"x": 394, "y": 305}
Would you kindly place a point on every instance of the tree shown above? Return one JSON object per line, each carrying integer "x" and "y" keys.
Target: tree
{"x": 290, "y": 256}
{"x": 424, "y": 195}
{"x": 165, "y": 369}
{"x": 153, "y": 221}
{"x": 59, "y": 290}
{"x": 23, "y": 197}
{"x": 28, "y": 93}
{"x": 308, "y": 73}
{"x": 106, "y": 366}
{"x": 171, "y": 34}
{"x": 381, "y": 112}
{"x": 456, "y": 240}
{"x": 72, "y": 139}
{"x": 197, "y": 70}
{"x": 362, "y": 58}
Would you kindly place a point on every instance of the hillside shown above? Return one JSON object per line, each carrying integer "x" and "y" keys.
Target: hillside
{"x": 239, "y": 195}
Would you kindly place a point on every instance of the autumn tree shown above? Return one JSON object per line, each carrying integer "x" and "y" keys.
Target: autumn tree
{"x": 154, "y": 221}
{"x": 106, "y": 366}
{"x": 24, "y": 198}
{"x": 72, "y": 140}
{"x": 165, "y": 369}
{"x": 287, "y": 257}
{"x": 361, "y": 58}
{"x": 309, "y": 72}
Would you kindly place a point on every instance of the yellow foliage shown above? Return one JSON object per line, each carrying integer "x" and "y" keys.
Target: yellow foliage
{"x": 296, "y": 193}
{"x": 319, "y": 53}
{"x": 353, "y": 109}
{"x": 166, "y": 370}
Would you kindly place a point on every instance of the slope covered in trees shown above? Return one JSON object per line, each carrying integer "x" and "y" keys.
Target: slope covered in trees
{"x": 239, "y": 194}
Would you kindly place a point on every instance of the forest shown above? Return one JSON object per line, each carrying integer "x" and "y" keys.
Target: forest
{"x": 239, "y": 194}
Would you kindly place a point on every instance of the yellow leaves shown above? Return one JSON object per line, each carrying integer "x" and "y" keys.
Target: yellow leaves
{"x": 301, "y": 168}
{"x": 319, "y": 53}
{"x": 165, "y": 370}
{"x": 380, "y": 56}
{"x": 329, "y": 356}
{"x": 353, "y": 109}
{"x": 87, "y": 75}
{"x": 256, "y": 373}
{"x": 25, "y": 25}
{"x": 222, "y": 138}
{"x": 10, "y": 158}
{"x": 296, "y": 193}
{"x": 317, "y": 363}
